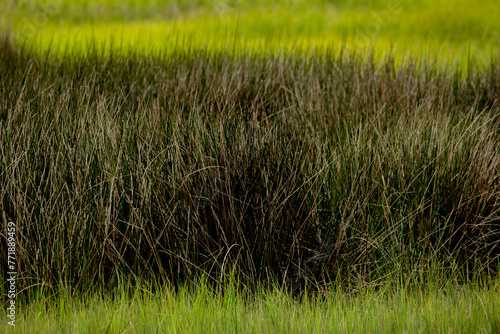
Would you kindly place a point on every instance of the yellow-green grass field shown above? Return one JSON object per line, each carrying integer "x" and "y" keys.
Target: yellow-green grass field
{"x": 312, "y": 189}
{"x": 450, "y": 31}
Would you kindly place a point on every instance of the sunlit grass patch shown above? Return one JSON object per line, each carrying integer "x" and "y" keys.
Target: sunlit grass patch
{"x": 456, "y": 31}
{"x": 200, "y": 309}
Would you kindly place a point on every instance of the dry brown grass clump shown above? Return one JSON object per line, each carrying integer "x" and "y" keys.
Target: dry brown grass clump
{"x": 288, "y": 168}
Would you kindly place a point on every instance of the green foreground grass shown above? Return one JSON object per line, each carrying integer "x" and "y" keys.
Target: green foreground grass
{"x": 455, "y": 31}
{"x": 198, "y": 309}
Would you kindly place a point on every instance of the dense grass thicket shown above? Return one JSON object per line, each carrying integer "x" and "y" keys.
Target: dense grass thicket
{"x": 314, "y": 168}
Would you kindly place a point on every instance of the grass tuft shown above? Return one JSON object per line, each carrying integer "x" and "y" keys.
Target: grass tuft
{"x": 303, "y": 169}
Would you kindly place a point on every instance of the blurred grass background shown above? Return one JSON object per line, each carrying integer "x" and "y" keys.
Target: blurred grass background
{"x": 449, "y": 31}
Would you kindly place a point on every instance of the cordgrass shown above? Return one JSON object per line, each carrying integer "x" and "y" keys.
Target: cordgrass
{"x": 316, "y": 186}
{"x": 451, "y": 31}
{"x": 200, "y": 309}
{"x": 305, "y": 170}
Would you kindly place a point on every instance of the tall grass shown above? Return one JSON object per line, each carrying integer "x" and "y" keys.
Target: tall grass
{"x": 302, "y": 169}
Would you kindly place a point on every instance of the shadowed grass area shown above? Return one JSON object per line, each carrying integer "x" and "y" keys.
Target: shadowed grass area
{"x": 313, "y": 168}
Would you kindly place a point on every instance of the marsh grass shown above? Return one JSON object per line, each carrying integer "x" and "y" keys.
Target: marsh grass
{"x": 451, "y": 30}
{"x": 306, "y": 170}
{"x": 198, "y": 308}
